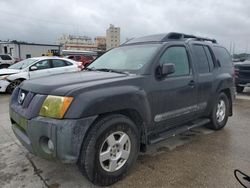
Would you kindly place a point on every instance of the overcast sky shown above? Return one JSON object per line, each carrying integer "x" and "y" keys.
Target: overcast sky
{"x": 44, "y": 21}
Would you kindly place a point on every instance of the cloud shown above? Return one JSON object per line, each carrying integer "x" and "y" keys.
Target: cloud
{"x": 45, "y": 20}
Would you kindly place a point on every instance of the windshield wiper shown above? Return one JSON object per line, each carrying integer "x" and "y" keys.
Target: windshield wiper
{"x": 110, "y": 70}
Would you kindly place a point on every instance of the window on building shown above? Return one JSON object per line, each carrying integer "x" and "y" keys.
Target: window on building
{"x": 202, "y": 61}
{"x": 5, "y": 49}
{"x": 178, "y": 56}
{"x": 28, "y": 56}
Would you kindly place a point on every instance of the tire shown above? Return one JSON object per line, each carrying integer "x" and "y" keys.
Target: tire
{"x": 100, "y": 171}
{"x": 13, "y": 85}
{"x": 218, "y": 121}
{"x": 239, "y": 89}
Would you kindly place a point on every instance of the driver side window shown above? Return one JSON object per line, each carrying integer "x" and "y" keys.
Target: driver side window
{"x": 177, "y": 55}
{"x": 42, "y": 65}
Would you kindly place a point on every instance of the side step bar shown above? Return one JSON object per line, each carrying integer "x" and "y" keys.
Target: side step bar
{"x": 177, "y": 131}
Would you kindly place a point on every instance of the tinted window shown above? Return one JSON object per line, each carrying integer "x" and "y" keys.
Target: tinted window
{"x": 223, "y": 56}
{"x": 178, "y": 56}
{"x": 209, "y": 57}
{"x": 5, "y": 57}
{"x": 58, "y": 63}
{"x": 42, "y": 65}
{"x": 202, "y": 61}
{"x": 68, "y": 63}
{"x": 78, "y": 58}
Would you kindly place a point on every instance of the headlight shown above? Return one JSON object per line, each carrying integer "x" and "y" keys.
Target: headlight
{"x": 55, "y": 106}
{"x": 4, "y": 77}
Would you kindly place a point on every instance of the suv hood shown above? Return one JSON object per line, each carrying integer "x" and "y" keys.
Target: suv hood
{"x": 63, "y": 84}
{"x": 8, "y": 71}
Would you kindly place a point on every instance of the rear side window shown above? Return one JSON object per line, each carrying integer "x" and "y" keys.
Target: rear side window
{"x": 209, "y": 57}
{"x": 68, "y": 63}
{"x": 202, "y": 60}
{"x": 178, "y": 56}
{"x": 5, "y": 57}
{"x": 58, "y": 63}
{"x": 223, "y": 56}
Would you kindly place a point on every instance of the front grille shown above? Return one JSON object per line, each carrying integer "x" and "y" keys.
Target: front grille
{"x": 24, "y": 98}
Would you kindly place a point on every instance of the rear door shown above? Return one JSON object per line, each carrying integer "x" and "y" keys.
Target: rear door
{"x": 204, "y": 64}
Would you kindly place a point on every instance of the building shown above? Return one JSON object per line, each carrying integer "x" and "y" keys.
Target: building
{"x": 73, "y": 42}
{"x": 112, "y": 37}
{"x": 100, "y": 42}
{"x": 23, "y": 50}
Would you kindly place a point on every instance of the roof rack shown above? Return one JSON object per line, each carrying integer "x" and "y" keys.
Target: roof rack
{"x": 167, "y": 37}
{"x": 183, "y": 36}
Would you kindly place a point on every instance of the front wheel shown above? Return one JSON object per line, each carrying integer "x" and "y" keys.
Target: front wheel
{"x": 110, "y": 149}
{"x": 220, "y": 112}
{"x": 13, "y": 85}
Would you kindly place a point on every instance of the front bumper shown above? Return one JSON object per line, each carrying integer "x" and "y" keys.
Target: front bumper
{"x": 3, "y": 85}
{"x": 242, "y": 82}
{"x": 66, "y": 135}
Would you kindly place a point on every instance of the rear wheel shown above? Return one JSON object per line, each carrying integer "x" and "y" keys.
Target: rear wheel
{"x": 13, "y": 85}
{"x": 239, "y": 89}
{"x": 110, "y": 149}
{"x": 220, "y": 112}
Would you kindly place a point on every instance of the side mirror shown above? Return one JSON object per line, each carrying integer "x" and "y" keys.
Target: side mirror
{"x": 33, "y": 68}
{"x": 166, "y": 69}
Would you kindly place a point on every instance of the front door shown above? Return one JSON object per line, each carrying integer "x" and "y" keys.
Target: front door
{"x": 42, "y": 68}
{"x": 175, "y": 96}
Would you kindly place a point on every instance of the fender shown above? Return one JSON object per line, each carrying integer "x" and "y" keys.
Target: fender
{"x": 223, "y": 81}
{"x": 111, "y": 99}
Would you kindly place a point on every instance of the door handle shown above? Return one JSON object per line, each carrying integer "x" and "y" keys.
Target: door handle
{"x": 191, "y": 83}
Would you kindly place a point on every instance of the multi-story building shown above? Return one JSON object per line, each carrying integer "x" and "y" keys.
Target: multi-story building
{"x": 72, "y": 42}
{"x": 112, "y": 37}
{"x": 100, "y": 42}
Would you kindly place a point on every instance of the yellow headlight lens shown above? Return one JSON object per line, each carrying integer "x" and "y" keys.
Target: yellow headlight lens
{"x": 55, "y": 106}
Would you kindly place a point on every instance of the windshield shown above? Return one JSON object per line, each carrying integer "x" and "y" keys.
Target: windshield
{"x": 22, "y": 64}
{"x": 129, "y": 58}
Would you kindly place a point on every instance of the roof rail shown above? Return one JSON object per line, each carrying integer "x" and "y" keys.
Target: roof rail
{"x": 166, "y": 37}
{"x": 179, "y": 36}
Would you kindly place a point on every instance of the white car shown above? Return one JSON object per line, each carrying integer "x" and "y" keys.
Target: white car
{"x": 6, "y": 60}
{"x": 33, "y": 68}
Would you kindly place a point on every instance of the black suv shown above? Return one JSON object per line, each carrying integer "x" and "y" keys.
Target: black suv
{"x": 144, "y": 91}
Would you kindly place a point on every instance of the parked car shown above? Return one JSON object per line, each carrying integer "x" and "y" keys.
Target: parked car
{"x": 242, "y": 75}
{"x": 85, "y": 59}
{"x": 36, "y": 67}
{"x": 144, "y": 91}
{"x": 6, "y": 60}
